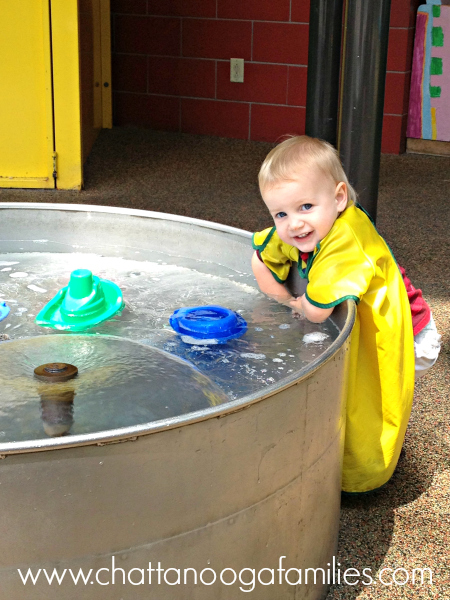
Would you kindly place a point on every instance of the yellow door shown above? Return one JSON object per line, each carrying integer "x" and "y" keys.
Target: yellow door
{"x": 55, "y": 89}
{"x": 26, "y": 114}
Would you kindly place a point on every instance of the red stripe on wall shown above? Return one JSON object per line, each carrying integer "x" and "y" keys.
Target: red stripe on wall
{"x": 415, "y": 98}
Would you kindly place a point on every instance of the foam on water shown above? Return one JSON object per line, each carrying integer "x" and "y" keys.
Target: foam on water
{"x": 316, "y": 337}
{"x": 152, "y": 291}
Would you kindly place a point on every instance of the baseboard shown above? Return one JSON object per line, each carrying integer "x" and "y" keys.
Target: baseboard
{"x": 416, "y": 146}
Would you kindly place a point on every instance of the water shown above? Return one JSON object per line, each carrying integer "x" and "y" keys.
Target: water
{"x": 271, "y": 349}
{"x": 119, "y": 383}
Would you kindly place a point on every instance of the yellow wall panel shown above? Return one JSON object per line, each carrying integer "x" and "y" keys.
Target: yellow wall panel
{"x": 66, "y": 87}
{"x": 26, "y": 132}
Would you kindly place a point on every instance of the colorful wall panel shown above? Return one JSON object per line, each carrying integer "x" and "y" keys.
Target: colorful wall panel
{"x": 429, "y": 101}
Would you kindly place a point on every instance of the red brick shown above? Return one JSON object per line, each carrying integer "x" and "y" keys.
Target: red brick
{"x": 397, "y": 93}
{"x": 400, "y": 49}
{"x": 209, "y": 117}
{"x": 130, "y": 34}
{"x": 129, "y": 73}
{"x": 300, "y": 11}
{"x": 270, "y": 123}
{"x": 182, "y": 8}
{"x": 216, "y": 39}
{"x": 155, "y": 112}
{"x": 280, "y": 43}
{"x": 182, "y": 77}
{"x": 147, "y": 35}
{"x": 262, "y": 83}
{"x": 403, "y": 13}
{"x": 131, "y": 7}
{"x": 260, "y": 10}
{"x": 297, "y": 80}
{"x": 393, "y": 139}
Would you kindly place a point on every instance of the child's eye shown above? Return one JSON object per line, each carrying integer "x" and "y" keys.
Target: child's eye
{"x": 306, "y": 206}
{"x": 280, "y": 215}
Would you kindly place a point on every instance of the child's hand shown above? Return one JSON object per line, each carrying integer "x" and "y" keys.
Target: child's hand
{"x": 298, "y": 316}
{"x": 296, "y": 305}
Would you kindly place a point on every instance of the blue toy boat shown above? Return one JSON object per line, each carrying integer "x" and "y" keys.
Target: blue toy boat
{"x": 4, "y": 310}
{"x": 213, "y": 323}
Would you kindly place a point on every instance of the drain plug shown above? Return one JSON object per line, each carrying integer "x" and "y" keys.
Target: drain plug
{"x": 55, "y": 372}
{"x": 56, "y": 402}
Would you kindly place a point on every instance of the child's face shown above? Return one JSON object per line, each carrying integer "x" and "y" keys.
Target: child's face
{"x": 305, "y": 209}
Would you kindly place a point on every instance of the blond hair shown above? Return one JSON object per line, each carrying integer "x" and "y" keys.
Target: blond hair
{"x": 302, "y": 152}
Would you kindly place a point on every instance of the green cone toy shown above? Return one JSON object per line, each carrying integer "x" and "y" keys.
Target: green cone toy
{"x": 85, "y": 302}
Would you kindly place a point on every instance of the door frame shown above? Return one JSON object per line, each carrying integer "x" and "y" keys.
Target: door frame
{"x": 67, "y": 90}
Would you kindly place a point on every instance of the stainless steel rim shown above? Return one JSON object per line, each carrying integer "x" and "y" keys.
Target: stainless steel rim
{"x": 132, "y": 433}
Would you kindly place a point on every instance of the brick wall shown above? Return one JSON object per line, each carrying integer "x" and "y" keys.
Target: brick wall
{"x": 398, "y": 76}
{"x": 171, "y": 67}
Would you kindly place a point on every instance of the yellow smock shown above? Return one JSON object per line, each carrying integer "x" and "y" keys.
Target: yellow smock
{"x": 354, "y": 262}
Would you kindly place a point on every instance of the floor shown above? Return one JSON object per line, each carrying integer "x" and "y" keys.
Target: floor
{"x": 407, "y": 523}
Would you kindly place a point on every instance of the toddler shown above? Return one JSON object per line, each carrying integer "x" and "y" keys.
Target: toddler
{"x": 339, "y": 252}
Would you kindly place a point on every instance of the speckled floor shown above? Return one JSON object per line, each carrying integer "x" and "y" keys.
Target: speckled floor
{"x": 407, "y": 524}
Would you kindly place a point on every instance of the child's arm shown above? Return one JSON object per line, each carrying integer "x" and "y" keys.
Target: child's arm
{"x": 267, "y": 284}
{"x": 311, "y": 312}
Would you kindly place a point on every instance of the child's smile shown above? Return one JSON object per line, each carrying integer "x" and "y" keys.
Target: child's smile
{"x": 303, "y": 236}
{"x": 304, "y": 209}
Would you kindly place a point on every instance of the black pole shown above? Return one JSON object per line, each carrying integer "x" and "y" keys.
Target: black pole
{"x": 324, "y": 55}
{"x": 366, "y": 32}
